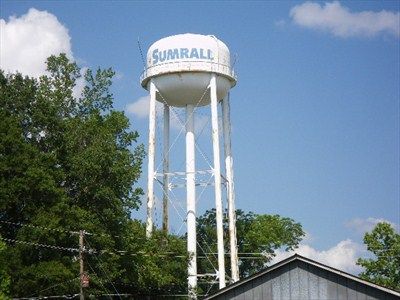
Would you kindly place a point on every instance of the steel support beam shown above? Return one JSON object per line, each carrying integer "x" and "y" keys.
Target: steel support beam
{"x": 191, "y": 201}
{"x": 151, "y": 155}
{"x": 217, "y": 178}
{"x": 230, "y": 188}
{"x": 165, "y": 224}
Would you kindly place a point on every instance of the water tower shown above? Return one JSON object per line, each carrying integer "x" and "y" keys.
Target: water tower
{"x": 189, "y": 71}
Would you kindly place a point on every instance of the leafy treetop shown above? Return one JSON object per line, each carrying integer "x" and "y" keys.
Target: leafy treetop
{"x": 384, "y": 268}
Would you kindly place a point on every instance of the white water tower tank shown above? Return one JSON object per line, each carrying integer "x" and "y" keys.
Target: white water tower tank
{"x": 191, "y": 70}
{"x": 181, "y": 65}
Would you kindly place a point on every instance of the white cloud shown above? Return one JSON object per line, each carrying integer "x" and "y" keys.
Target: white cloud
{"x": 342, "y": 256}
{"x": 27, "y": 41}
{"x": 341, "y": 22}
{"x": 140, "y": 108}
{"x": 365, "y": 225}
{"x": 79, "y": 84}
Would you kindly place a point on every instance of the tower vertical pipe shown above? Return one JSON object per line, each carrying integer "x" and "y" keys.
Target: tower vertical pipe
{"x": 191, "y": 201}
{"x": 165, "y": 224}
{"x": 217, "y": 178}
{"x": 230, "y": 187}
{"x": 150, "y": 167}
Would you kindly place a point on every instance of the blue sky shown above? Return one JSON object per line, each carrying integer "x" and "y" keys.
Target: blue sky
{"x": 315, "y": 113}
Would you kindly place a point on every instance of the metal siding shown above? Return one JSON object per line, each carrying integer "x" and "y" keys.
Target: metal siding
{"x": 249, "y": 293}
{"x": 258, "y": 288}
{"x": 313, "y": 284}
{"x": 371, "y": 298}
{"x": 228, "y": 296}
{"x": 294, "y": 281}
{"x": 285, "y": 283}
{"x": 342, "y": 288}
{"x": 322, "y": 285}
{"x": 303, "y": 281}
{"x": 392, "y": 297}
{"x": 299, "y": 280}
{"x": 276, "y": 287}
{"x": 267, "y": 288}
{"x": 351, "y": 289}
{"x": 237, "y": 294}
{"x": 332, "y": 285}
{"x": 240, "y": 292}
{"x": 361, "y": 292}
{"x": 373, "y": 295}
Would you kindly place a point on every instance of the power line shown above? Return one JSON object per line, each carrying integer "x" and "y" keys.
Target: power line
{"x": 49, "y": 297}
{"x": 65, "y": 231}
{"x": 120, "y": 253}
{"x": 244, "y": 255}
{"x": 143, "y": 253}
{"x": 39, "y": 227}
{"x": 105, "y": 273}
{"x": 40, "y": 245}
{"x": 53, "y": 286}
{"x": 99, "y": 279}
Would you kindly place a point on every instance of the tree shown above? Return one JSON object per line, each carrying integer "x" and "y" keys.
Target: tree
{"x": 4, "y": 274}
{"x": 153, "y": 266}
{"x": 384, "y": 268}
{"x": 71, "y": 163}
{"x": 67, "y": 163}
{"x": 258, "y": 236}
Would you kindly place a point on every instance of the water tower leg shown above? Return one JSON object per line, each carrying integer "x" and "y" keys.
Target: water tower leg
{"x": 150, "y": 168}
{"x": 230, "y": 187}
{"x": 191, "y": 201}
{"x": 165, "y": 224}
{"x": 217, "y": 178}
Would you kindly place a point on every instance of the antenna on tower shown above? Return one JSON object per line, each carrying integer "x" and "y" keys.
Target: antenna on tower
{"x": 141, "y": 52}
{"x": 235, "y": 59}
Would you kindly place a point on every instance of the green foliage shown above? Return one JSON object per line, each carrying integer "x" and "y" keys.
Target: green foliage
{"x": 384, "y": 267}
{"x": 4, "y": 274}
{"x": 66, "y": 163}
{"x": 257, "y": 238}
{"x": 159, "y": 263}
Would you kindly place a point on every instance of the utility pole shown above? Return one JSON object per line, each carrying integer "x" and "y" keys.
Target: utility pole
{"x": 81, "y": 269}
